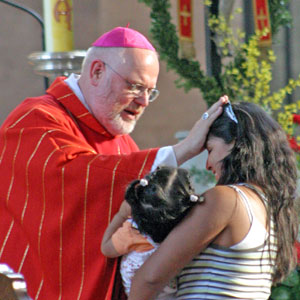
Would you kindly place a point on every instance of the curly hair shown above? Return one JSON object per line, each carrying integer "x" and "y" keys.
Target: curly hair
{"x": 160, "y": 205}
{"x": 261, "y": 155}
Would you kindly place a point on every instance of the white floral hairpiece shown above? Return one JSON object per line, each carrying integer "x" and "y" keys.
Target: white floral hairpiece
{"x": 143, "y": 182}
{"x": 194, "y": 198}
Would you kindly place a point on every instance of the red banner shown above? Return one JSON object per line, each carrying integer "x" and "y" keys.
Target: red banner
{"x": 185, "y": 19}
{"x": 262, "y": 20}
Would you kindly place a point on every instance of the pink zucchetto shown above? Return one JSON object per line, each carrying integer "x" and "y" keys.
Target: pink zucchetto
{"x": 123, "y": 37}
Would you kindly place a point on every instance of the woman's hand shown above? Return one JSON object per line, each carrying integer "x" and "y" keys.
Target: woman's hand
{"x": 193, "y": 144}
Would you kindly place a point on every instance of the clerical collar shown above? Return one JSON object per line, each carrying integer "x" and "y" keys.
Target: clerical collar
{"x": 72, "y": 82}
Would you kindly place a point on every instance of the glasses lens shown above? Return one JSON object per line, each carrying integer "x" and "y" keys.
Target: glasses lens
{"x": 153, "y": 95}
{"x": 136, "y": 88}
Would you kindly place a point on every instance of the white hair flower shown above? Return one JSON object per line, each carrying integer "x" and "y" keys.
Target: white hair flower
{"x": 194, "y": 198}
{"x": 143, "y": 182}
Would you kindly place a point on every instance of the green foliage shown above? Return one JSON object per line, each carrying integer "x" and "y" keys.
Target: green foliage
{"x": 164, "y": 35}
{"x": 279, "y": 14}
{"x": 165, "y": 38}
{"x": 202, "y": 176}
{"x": 246, "y": 71}
{"x": 289, "y": 289}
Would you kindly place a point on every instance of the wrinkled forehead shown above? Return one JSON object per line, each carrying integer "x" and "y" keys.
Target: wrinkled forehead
{"x": 140, "y": 65}
{"x": 137, "y": 58}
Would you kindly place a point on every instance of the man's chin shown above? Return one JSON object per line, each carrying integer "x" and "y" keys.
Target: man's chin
{"x": 122, "y": 128}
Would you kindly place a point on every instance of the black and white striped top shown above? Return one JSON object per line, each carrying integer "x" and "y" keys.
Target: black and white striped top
{"x": 230, "y": 273}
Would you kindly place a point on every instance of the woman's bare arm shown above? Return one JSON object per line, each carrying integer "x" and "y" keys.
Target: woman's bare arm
{"x": 202, "y": 225}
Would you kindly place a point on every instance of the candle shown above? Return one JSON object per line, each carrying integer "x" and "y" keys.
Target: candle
{"x": 58, "y": 22}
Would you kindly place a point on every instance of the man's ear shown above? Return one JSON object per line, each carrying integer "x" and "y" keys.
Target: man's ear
{"x": 96, "y": 69}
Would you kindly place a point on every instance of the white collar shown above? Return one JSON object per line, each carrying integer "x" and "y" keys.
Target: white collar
{"x": 72, "y": 82}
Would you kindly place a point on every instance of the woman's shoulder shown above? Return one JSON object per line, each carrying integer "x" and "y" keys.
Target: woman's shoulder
{"x": 220, "y": 190}
{"x": 221, "y": 195}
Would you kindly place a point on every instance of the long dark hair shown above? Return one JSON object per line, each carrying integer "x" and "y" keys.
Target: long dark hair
{"x": 261, "y": 155}
{"x": 161, "y": 204}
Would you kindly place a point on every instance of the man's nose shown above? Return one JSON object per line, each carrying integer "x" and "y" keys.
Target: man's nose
{"x": 143, "y": 98}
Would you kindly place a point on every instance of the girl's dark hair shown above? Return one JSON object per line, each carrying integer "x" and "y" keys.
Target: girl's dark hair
{"x": 159, "y": 206}
{"x": 261, "y": 155}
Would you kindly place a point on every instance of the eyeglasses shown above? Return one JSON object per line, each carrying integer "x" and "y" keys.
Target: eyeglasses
{"x": 137, "y": 89}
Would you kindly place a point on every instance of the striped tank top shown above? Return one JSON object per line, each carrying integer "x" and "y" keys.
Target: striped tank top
{"x": 230, "y": 273}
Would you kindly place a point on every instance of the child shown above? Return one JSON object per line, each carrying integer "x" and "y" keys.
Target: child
{"x": 156, "y": 203}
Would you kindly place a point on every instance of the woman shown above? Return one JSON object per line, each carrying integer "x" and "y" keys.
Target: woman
{"x": 240, "y": 240}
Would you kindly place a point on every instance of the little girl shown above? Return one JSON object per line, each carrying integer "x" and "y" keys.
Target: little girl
{"x": 156, "y": 203}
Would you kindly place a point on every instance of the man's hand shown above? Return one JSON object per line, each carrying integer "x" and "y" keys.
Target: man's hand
{"x": 193, "y": 144}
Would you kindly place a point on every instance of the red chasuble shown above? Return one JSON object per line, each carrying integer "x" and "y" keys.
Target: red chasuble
{"x": 63, "y": 178}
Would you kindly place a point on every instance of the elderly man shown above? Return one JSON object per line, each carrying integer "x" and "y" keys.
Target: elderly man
{"x": 65, "y": 160}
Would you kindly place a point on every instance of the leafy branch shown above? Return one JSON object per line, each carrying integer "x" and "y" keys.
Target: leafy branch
{"x": 165, "y": 38}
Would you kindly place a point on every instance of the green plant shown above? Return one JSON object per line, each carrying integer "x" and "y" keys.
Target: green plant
{"x": 164, "y": 35}
{"x": 289, "y": 289}
{"x": 202, "y": 176}
{"x": 279, "y": 14}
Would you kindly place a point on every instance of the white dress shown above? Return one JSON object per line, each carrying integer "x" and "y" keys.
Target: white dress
{"x": 133, "y": 260}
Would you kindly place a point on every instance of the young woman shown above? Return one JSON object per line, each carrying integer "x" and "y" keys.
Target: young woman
{"x": 240, "y": 240}
{"x": 157, "y": 203}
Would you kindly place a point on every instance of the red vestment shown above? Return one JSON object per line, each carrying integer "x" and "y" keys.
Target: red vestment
{"x": 63, "y": 178}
